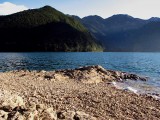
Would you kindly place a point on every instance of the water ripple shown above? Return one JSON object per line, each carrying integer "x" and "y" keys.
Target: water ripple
{"x": 147, "y": 64}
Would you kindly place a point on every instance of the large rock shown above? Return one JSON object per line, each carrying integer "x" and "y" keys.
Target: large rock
{"x": 12, "y": 101}
{"x": 48, "y": 114}
{"x": 69, "y": 115}
{"x": 74, "y": 115}
{"x": 12, "y": 107}
{"x": 95, "y": 74}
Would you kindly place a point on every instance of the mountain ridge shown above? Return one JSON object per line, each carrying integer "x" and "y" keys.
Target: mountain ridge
{"x": 124, "y": 33}
{"x": 44, "y": 29}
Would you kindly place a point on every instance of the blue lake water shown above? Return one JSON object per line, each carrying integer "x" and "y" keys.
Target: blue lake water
{"x": 145, "y": 64}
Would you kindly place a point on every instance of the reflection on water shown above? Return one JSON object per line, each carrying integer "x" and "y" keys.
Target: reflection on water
{"x": 147, "y": 64}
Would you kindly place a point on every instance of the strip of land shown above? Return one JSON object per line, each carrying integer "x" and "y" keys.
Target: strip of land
{"x": 86, "y": 93}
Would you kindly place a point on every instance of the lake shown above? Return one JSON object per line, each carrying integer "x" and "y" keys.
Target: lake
{"x": 145, "y": 64}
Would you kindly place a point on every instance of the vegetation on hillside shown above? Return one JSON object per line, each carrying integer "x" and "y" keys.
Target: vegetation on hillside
{"x": 44, "y": 29}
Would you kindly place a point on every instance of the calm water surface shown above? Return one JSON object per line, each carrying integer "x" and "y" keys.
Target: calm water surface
{"x": 145, "y": 64}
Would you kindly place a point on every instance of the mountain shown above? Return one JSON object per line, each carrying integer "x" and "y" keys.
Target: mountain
{"x": 125, "y": 33}
{"x": 154, "y": 19}
{"x": 143, "y": 39}
{"x": 44, "y": 29}
{"x": 100, "y": 27}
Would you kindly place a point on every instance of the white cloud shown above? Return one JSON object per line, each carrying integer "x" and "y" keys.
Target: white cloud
{"x": 7, "y": 8}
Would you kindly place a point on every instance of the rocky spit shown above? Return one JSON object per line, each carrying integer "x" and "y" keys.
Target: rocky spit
{"x": 85, "y": 93}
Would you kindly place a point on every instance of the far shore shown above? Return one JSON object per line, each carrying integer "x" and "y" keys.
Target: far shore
{"x": 86, "y": 93}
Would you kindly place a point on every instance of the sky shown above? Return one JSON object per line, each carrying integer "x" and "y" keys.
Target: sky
{"x": 144, "y": 9}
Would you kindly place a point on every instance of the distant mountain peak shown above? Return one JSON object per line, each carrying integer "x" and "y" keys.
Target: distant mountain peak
{"x": 154, "y": 19}
{"x": 93, "y": 16}
{"x": 47, "y": 7}
{"x": 121, "y": 16}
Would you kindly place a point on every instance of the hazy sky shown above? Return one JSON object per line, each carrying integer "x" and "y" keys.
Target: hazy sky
{"x": 105, "y": 8}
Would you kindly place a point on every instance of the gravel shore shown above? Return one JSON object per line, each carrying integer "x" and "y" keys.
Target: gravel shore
{"x": 86, "y": 93}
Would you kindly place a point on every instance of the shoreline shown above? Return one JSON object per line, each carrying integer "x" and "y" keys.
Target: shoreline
{"x": 83, "y": 93}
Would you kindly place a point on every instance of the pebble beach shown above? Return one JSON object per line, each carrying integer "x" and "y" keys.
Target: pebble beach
{"x": 86, "y": 93}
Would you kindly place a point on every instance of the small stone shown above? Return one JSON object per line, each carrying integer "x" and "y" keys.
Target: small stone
{"x": 69, "y": 114}
{"x": 6, "y": 108}
{"x": 3, "y": 115}
{"x": 17, "y": 116}
{"x": 32, "y": 107}
{"x": 83, "y": 116}
{"x": 43, "y": 71}
{"x": 30, "y": 115}
{"x": 40, "y": 107}
{"x": 60, "y": 115}
{"x": 48, "y": 114}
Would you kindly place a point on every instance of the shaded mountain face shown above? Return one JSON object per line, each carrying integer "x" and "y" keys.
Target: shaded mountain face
{"x": 44, "y": 29}
{"x": 125, "y": 33}
{"x": 115, "y": 23}
{"x": 154, "y": 19}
